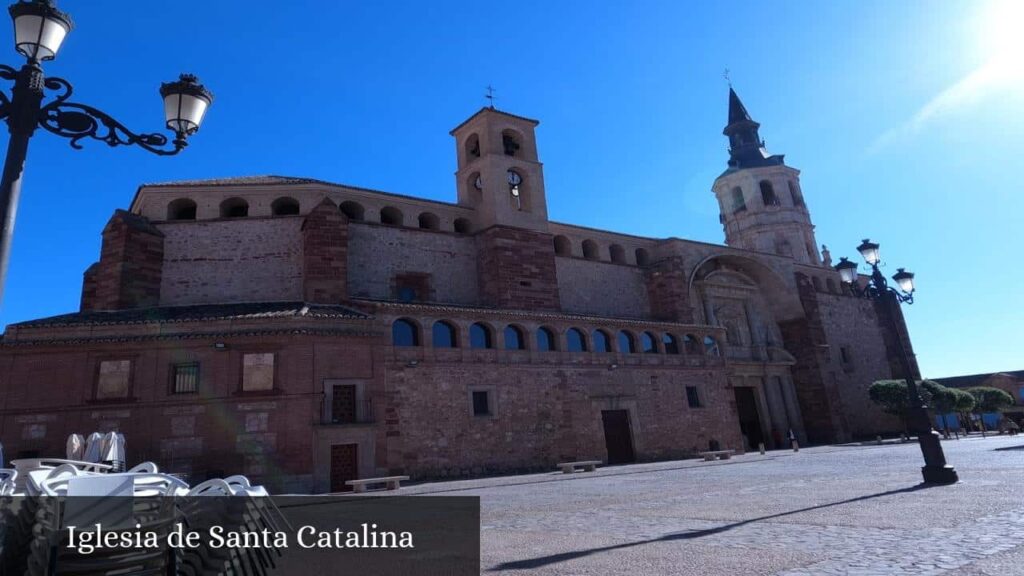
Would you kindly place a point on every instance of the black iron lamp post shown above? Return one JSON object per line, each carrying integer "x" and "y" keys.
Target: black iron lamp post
{"x": 39, "y": 30}
{"x": 935, "y": 469}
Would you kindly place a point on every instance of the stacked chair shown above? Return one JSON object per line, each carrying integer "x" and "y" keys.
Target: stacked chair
{"x": 34, "y": 515}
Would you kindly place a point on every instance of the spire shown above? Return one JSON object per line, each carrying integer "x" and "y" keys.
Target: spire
{"x": 746, "y": 149}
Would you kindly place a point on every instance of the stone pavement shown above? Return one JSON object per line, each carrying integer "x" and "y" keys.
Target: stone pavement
{"x": 855, "y": 510}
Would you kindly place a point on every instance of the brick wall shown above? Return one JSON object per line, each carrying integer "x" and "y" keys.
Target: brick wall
{"x": 516, "y": 269}
{"x": 324, "y": 254}
{"x": 130, "y": 269}
{"x": 668, "y": 290}
{"x": 601, "y": 288}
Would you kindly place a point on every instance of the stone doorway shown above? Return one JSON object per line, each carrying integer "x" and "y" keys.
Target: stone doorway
{"x": 617, "y": 436}
{"x": 750, "y": 420}
{"x": 344, "y": 466}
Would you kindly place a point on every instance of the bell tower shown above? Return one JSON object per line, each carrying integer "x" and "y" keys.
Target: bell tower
{"x": 499, "y": 174}
{"x": 760, "y": 201}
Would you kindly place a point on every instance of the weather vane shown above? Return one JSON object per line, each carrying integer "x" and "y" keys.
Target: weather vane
{"x": 725, "y": 75}
{"x": 490, "y": 95}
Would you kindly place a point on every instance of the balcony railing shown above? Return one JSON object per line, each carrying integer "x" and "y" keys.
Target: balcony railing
{"x": 363, "y": 415}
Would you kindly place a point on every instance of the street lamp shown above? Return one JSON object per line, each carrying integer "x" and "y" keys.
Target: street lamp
{"x": 39, "y": 31}
{"x": 935, "y": 469}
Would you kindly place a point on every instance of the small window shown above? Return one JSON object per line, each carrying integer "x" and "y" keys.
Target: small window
{"x": 563, "y": 247}
{"x": 509, "y": 143}
{"x": 692, "y": 398}
{"x": 590, "y": 250}
{"x": 768, "y": 194}
{"x": 545, "y": 340}
{"x": 627, "y": 345}
{"x": 738, "y": 203}
{"x": 444, "y": 335}
{"x": 258, "y": 372}
{"x": 429, "y": 221}
{"x": 480, "y": 337}
{"x": 114, "y": 379}
{"x": 601, "y": 341}
{"x": 472, "y": 147}
{"x": 181, "y": 209}
{"x": 391, "y": 216}
{"x": 463, "y": 226}
{"x": 670, "y": 343}
{"x": 575, "y": 341}
{"x": 647, "y": 343}
{"x": 794, "y": 193}
{"x": 481, "y": 403}
{"x": 514, "y": 338}
{"x": 353, "y": 210}
{"x": 691, "y": 344}
{"x": 642, "y": 258}
{"x": 617, "y": 254}
{"x": 185, "y": 378}
{"x": 710, "y": 346}
{"x": 407, "y": 294}
{"x": 234, "y": 208}
{"x": 817, "y": 283}
{"x": 404, "y": 333}
{"x": 285, "y": 206}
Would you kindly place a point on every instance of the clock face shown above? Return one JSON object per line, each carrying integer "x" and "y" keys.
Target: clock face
{"x": 478, "y": 183}
{"x": 514, "y": 179}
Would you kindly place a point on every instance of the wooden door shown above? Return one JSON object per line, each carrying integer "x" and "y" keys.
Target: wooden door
{"x": 344, "y": 466}
{"x": 617, "y": 436}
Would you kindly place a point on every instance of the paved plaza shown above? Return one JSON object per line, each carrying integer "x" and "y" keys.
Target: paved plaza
{"x": 825, "y": 510}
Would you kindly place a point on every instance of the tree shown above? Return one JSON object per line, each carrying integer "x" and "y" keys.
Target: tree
{"x": 987, "y": 399}
{"x": 944, "y": 401}
{"x": 894, "y": 398}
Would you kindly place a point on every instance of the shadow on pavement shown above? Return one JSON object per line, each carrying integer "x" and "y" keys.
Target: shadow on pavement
{"x": 1020, "y": 447}
{"x": 692, "y": 534}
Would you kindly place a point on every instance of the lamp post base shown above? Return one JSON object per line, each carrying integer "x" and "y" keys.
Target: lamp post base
{"x": 939, "y": 475}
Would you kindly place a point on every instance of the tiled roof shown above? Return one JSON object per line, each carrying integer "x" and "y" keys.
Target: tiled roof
{"x": 238, "y": 181}
{"x": 170, "y": 314}
{"x": 975, "y": 379}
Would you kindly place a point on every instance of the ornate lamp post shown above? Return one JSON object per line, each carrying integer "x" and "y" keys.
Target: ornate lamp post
{"x": 39, "y": 30}
{"x": 935, "y": 469}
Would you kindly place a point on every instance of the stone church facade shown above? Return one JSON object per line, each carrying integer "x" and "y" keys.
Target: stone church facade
{"x": 306, "y": 333}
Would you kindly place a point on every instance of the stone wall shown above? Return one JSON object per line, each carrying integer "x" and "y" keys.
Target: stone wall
{"x": 224, "y": 261}
{"x": 601, "y": 288}
{"x": 378, "y": 253}
{"x": 516, "y": 269}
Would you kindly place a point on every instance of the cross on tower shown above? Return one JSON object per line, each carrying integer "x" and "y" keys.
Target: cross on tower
{"x": 727, "y": 78}
{"x": 490, "y": 95}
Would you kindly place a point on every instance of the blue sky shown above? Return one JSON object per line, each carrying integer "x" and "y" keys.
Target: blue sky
{"x": 903, "y": 116}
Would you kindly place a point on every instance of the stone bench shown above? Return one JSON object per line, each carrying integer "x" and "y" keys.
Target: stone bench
{"x": 392, "y": 482}
{"x": 717, "y": 455}
{"x": 586, "y": 465}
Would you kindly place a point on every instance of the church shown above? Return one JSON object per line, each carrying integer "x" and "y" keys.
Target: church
{"x": 305, "y": 333}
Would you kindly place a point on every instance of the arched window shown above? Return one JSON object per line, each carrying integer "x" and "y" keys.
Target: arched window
{"x": 768, "y": 194}
{"x": 463, "y": 225}
{"x": 181, "y": 209}
{"x": 284, "y": 206}
{"x": 647, "y": 343}
{"x": 510, "y": 143}
{"x": 391, "y": 216}
{"x": 710, "y": 346}
{"x": 575, "y": 341}
{"x": 738, "y": 203}
{"x": 353, "y": 210}
{"x": 472, "y": 147}
{"x": 617, "y": 254}
{"x": 670, "y": 343}
{"x": 480, "y": 336}
{"x": 563, "y": 247}
{"x": 444, "y": 335}
{"x": 514, "y": 338}
{"x": 627, "y": 344}
{"x": 794, "y": 194}
{"x": 429, "y": 221}
{"x": 602, "y": 343}
{"x": 545, "y": 340}
{"x": 590, "y": 250}
{"x": 234, "y": 208}
{"x": 404, "y": 332}
{"x": 691, "y": 345}
{"x": 642, "y": 258}
{"x": 831, "y": 286}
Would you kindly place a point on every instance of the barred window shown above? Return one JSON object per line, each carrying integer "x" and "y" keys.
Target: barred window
{"x": 185, "y": 378}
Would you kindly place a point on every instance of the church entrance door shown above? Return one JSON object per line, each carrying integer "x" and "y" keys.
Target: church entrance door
{"x": 344, "y": 466}
{"x": 617, "y": 436}
{"x": 750, "y": 421}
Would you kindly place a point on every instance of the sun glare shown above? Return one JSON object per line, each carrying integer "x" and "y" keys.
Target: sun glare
{"x": 1001, "y": 34}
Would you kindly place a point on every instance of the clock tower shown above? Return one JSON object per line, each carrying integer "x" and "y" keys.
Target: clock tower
{"x": 499, "y": 174}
